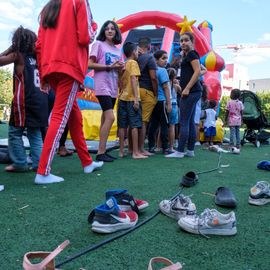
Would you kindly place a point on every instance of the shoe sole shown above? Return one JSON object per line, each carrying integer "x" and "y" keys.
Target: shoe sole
{"x": 258, "y": 201}
{"x": 224, "y": 232}
{"x": 110, "y": 228}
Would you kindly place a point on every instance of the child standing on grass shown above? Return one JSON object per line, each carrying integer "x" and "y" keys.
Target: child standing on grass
{"x": 65, "y": 32}
{"x": 173, "y": 116}
{"x": 163, "y": 107}
{"x": 209, "y": 124}
{"x": 106, "y": 61}
{"x": 129, "y": 108}
{"x": 233, "y": 116}
{"x": 29, "y": 105}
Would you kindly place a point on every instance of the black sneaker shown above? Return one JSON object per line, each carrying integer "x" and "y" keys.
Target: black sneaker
{"x": 167, "y": 152}
{"x": 103, "y": 157}
{"x": 152, "y": 150}
{"x": 110, "y": 156}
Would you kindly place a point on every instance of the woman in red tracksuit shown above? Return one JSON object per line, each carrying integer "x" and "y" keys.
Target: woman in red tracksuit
{"x": 62, "y": 54}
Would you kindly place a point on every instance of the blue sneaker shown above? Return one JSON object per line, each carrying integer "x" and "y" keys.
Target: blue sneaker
{"x": 108, "y": 218}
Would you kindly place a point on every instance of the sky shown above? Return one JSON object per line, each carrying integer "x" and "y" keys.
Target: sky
{"x": 243, "y": 22}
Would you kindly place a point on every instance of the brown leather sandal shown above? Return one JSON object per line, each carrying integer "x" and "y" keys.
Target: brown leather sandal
{"x": 170, "y": 264}
{"x": 48, "y": 263}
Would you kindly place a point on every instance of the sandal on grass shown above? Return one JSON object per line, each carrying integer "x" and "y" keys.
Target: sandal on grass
{"x": 48, "y": 262}
{"x": 170, "y": 264}
{"x": 12, "y": 168}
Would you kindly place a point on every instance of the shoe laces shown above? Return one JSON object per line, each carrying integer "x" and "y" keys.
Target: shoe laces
{"x": 202, "y": 219}
{"x": 183, "y": 200}
{"x": 263, "y": 185}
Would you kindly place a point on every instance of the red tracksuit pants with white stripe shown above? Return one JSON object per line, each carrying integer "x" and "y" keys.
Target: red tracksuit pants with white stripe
{"x": 65, "y": 110}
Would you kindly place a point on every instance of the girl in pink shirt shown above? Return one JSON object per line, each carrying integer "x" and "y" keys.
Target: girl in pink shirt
{"x": 233, "y": 116}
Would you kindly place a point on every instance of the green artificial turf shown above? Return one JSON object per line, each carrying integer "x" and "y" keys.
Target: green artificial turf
{"x": 41, "y": 217}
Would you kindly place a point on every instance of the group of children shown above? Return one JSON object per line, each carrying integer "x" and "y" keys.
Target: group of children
{"x": 31, "y": 100}
{"x": 166, "y": 112}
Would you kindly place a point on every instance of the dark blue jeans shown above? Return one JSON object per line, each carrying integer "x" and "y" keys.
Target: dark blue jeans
{"x": 187, "y": 125}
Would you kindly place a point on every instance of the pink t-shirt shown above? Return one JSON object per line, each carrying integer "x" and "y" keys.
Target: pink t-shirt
{"x": 105, "y": 83}
{"x": 235, "y": 107}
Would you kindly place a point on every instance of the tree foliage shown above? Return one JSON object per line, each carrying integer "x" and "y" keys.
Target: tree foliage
{"x": 6, "y": 85}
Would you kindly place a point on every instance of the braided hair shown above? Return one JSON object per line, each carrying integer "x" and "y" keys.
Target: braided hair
{"x": 23, "y": 41}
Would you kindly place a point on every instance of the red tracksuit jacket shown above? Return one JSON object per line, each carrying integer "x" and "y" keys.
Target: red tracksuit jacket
{"x": 67, "y": 46}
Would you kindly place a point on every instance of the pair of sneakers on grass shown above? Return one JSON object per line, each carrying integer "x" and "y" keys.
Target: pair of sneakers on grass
{"x": 209, "y": 222}
{"x": 119, "y": 212}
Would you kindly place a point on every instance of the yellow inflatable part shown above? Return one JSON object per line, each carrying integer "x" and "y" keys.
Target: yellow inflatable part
{"x": 91, "y": 124}
{"x": 220, "y": 132}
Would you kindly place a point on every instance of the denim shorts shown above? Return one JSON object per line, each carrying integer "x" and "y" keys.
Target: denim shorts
{"x": 127, "y": 116}
{"x": 210, "y": 132}
{"x": 173, "y": 116}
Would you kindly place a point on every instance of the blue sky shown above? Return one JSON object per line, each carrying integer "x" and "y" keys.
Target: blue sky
{"x": 234, "y": 22}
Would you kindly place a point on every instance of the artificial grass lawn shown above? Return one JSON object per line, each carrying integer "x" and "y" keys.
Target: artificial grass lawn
{"x": 50, "y": 214}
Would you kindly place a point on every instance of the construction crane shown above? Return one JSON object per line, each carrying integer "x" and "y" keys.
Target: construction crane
{"x": 237, "y": 47}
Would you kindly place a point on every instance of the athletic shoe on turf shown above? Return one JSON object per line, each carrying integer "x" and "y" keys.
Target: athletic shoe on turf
{"x": 190, "y": 153}
{"x": 176, "y": 154}
{"x": 260, "y": 193}
{"x": 178, "y": 207}
{"x": 104, "y": 157}
{"x": 47, "y": 179}
{"x": 210, "y": 222}
{"x": 108, "y": 218}
{"x": 93, "y": 166}
{"x": 125, "y": 201}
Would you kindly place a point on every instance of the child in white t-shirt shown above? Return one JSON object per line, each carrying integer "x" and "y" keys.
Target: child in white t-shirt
{"x": 210, "y": 122}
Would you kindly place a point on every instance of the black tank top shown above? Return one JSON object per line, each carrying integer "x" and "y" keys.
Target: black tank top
{"x": 30, "y": 103}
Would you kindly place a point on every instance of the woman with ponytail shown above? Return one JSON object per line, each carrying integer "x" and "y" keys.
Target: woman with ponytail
{"x": 66, "y": 29}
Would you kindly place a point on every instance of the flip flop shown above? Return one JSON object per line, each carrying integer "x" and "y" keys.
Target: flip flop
{"x": 225, "y": 198}
{"x": 12, "y": 169}
{"x": 170, "y": 264}
{"x": 47, "y": 263}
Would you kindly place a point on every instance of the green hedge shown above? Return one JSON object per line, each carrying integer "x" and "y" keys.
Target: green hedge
{"x": 265, "y": 102}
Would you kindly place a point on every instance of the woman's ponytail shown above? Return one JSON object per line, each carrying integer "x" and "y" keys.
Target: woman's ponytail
{"x": 49, "y": 14}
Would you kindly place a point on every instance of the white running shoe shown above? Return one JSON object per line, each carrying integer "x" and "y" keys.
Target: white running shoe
{"x": 190, "y": 153}
{"x": 260, "y": 193}
{"x": 176, "y": 154}
{"x": 47, "y": 179}
{"x": 210, "y": 222}
{"x": 93, "y": 166}
{"x": 178, "y": 207}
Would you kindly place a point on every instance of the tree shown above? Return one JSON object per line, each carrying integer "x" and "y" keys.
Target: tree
{"x": 6, "y": 86}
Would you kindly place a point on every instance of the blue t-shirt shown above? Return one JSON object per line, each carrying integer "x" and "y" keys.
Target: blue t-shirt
{"x": 163, "y": 77}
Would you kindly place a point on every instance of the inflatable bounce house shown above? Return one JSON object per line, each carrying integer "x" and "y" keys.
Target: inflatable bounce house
{"x": 165, "y": 36}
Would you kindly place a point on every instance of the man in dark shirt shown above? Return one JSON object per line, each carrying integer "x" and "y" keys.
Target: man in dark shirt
{"x": 148, "y": 87}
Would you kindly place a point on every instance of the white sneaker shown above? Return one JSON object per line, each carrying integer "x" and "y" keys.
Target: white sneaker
{"x": 210, "y": 222}
{"x": 47, "y": 179}
{"x": 176, "y": 154}
{"x": 93, "y": 166}
{"x": 190, "y": 153}
{"x": 178, "y": 207}
{"x": 197, "y": 144}
{"x": 2, "y": 187}
{"x": 29, "y": 160}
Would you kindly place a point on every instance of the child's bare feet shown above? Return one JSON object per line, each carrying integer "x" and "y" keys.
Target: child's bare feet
{"x": 121, "y": 154}
{"x": 146, "y": 153}
{"x": 138, "y": 156}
